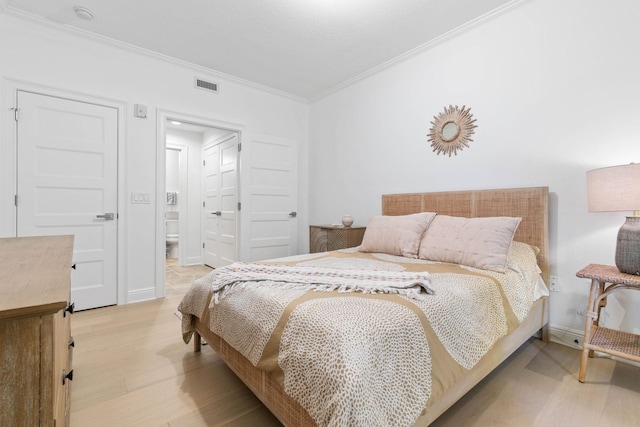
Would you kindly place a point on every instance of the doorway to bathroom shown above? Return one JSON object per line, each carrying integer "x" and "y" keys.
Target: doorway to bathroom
{"x": 264, "y": 207}
{"x": 201, "y": 185}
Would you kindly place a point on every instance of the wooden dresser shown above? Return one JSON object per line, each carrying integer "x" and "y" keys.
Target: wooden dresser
{"x": 35, "y": 335}
{"x": 332, "y": 237}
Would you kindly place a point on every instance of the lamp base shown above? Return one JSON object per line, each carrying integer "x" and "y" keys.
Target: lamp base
{"x": 628, "y": 248}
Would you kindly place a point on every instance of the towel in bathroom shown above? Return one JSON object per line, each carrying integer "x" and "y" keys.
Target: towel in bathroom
{"x": 172, "y": 197}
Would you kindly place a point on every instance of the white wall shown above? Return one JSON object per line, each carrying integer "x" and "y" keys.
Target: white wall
{"x": 172, "y": 214}
{"x": 553, "y": 85}
{"x": 173, "y": 172}
{"x": 190, "y": 201}
{"x": 554, "y": 88}
{"x": 41, "y": 54}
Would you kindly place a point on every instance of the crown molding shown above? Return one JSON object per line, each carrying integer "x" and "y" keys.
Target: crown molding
{"x": 8, "y": 10}
{"x": 507, "y": 7}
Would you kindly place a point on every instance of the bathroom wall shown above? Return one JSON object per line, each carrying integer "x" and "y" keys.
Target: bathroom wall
{"x": 173, "y": 175}
{"x": 172, "y": 214}
{"x": 189, "y": 201}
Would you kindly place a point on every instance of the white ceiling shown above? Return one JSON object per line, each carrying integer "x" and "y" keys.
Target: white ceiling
{"x": 306, "y": 48}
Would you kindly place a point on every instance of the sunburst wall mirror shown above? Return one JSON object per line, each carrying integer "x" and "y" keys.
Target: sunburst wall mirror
{"x": 451, "y": 130}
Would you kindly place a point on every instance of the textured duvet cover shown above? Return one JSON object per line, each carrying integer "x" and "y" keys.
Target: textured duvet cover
{"x": 363, "y": 339}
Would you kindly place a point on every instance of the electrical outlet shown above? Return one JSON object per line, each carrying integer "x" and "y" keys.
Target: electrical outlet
{"x": 554, "y": 284}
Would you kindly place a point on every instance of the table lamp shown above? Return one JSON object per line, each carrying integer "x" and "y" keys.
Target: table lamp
{"x": 617, "y": 188}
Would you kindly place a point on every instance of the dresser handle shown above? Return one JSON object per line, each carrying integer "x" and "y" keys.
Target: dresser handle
{"x": 70, "y": 308}
{"x": 67, "y": 376}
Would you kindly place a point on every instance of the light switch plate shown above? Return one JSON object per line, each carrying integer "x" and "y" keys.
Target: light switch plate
{"x": 140, "y": 198}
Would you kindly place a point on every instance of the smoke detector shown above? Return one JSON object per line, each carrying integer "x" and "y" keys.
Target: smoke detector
{"x": 83, "y": 13}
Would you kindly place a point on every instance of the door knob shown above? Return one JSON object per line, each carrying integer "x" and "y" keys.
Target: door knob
{"x": 107, "y": 216}
{"x": 293, "y": 214}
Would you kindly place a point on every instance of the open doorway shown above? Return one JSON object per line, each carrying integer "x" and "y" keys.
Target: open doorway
{"x": 191, "y": 221}
{"x": 197, "y": 159}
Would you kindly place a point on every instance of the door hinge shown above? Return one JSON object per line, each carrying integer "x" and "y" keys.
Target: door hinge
{"x": 239, "y": 206}
{"x": 15, "y": 200}
{"x": 202, "y": 245}
{"x": 203, "y": 204}
{"x": 239, "y": 147}
{"x": 15, "y": 113}
{"x": 204, "y": 162}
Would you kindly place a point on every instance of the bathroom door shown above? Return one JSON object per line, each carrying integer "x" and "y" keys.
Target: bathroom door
{"x": 67, "y": 184}
{"x": 220, "y": 202}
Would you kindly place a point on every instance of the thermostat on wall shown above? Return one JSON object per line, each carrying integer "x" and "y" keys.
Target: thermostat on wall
{"x": 140, "y": 110}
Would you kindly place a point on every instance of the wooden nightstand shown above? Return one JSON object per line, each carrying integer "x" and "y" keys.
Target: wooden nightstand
{"x": 332, "y": 237}
{"x": 617, "y": 343}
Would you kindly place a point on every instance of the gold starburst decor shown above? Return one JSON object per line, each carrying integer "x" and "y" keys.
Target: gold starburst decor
{"x": 451, "y": 130}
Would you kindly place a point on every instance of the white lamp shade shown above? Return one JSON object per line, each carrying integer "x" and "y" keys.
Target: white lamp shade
{"x": 616, "y": 188}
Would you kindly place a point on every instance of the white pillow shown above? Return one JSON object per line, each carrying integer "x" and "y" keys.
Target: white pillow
{"x": 476, "y": 242}
{"x": 396, "y": 235}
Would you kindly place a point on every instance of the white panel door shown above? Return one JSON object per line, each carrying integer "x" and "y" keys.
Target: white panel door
{"x": 67, "y": 184}
{"x": 228, "y": 201}
{"x": 220, "y": 204}
{"x": 211, "y": 205}
{"x": 272, "y": 197}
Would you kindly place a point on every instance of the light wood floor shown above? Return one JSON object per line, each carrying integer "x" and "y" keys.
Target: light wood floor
{"x": 131, "y": 368}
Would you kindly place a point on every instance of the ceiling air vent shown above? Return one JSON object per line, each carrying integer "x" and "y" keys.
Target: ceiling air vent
{"x": 205, "y": 85}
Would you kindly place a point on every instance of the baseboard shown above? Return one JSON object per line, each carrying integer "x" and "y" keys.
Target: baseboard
{"x": 139, "y": 295}
{"x": 573, "y": 338}
{"x": 567, "y": 336}
{"x": 194, "y": 260}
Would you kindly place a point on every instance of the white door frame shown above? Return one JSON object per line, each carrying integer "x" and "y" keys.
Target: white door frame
{"x": 161, "y": 166}
{"x": 8, "y": 149}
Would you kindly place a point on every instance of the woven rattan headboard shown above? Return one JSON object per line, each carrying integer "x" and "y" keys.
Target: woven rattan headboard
{"x": 532, "y": 204}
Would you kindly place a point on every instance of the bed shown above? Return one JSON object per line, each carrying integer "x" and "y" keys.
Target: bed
{"x": 421, "y": 362}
